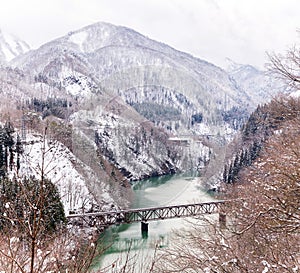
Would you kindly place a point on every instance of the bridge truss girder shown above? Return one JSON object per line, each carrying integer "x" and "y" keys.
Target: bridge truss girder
{"x": 103, "y": 219}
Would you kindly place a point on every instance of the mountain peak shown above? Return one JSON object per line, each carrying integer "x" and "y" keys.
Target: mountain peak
{"x": 11, "y": 47}
{"x": 232, "y": 66}
{"x": 99, "y": 35}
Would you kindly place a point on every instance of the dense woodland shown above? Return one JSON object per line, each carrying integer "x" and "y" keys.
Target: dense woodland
{"x": 265, "y": 122}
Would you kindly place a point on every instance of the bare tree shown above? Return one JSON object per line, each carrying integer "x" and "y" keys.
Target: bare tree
{"x": 287, "y": 67}
{"x": 263, "y": 229}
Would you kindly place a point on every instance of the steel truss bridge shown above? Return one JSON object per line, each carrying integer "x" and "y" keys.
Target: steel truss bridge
{"x": 143, "y": 215}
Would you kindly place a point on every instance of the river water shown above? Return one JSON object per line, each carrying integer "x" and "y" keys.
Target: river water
{"x": 159, "y": 191}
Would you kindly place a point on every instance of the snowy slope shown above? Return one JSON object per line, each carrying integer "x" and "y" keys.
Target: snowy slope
{"x": 140, "y": 108}
{"x": 11, "y": 47}
{"x": 260, "y": 85}
{"x": 295, "y": 94}
{"x": 135, "y": 146}
{"x": 60, "y": 167}
{"x": 140, "y": 70}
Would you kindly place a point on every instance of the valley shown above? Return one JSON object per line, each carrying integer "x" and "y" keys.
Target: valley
{"x": 105, "y": 117}
{"x": 123, "y": 98}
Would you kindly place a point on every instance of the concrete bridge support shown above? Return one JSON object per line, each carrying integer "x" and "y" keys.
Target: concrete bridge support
{"x": 144, "y": 229}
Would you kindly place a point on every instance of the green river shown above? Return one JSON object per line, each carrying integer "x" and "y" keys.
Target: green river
{"x": 159, "y": 191}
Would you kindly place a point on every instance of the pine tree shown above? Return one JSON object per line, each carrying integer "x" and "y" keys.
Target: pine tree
{"x": 235, "y": 168}
{"x": 8, "y": 145}
{"x": 2, "y": 165}
{"x": 225, "y": 174}
{"x": 19, "y": 151}
{"x": 246, "y": 157}
{"x": 230, "y": 174}
{"x": 242, "y": 159}
{"x": 255, "y": 149}
{"x": 31, "y": 202}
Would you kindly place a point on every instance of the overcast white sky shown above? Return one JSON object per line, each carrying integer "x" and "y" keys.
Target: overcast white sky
{"x": 242, "y": 30}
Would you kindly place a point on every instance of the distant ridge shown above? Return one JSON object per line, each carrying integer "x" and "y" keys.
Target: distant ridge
{"x": 11, "y": 47}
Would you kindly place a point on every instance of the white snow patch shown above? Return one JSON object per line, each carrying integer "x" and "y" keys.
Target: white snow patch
{"x": 76, "y": 84}
{"x": 267, "y": 266}
{"x": 11, "y": 46}
{"x": 58, "y": 167}
{"x": 9, "y": 55}
{"x": 66, "y": 71}
{"x": 79, "y": 38}
{"x": 295, "y": 94}
{"x": 73, "y": 89}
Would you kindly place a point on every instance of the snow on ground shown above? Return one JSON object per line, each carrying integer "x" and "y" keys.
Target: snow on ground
{"x": 59, "y": 168}
{"x": 295, "y": 94}
{"x": 11, "y": 46}
{"x": 9, "y": 55}
{"x": 79, "y": 38}
{"x": 75, "y": 83}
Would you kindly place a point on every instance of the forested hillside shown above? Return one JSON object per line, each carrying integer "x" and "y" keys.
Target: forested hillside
{"x": 263, "y": 217}
{"x": 262, "y": 183}
{"x": 84, "y": 115}
{"x": 264, "y": 124}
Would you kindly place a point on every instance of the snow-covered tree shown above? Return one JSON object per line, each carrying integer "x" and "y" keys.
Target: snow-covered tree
{"x": 33, "y": 234}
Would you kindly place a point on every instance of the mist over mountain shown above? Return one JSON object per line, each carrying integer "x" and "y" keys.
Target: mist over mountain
{"x": 259, "y": 85}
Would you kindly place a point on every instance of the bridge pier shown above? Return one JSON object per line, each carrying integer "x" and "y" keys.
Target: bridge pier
{"x": 222, "y": 220}
{"x": 144, "y": 229}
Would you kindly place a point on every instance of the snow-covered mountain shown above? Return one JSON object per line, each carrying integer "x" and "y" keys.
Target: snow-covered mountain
{"x": 11, "y": 47}
{"x": 126, "y": 107}
{"x": 145, "y": 73}
{"x": 259, "y": 85}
